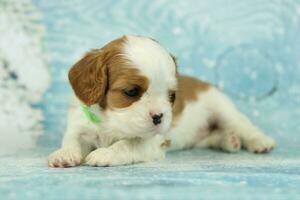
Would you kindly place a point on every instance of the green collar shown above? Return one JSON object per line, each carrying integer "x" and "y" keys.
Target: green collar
{"x": 89, "y": 114}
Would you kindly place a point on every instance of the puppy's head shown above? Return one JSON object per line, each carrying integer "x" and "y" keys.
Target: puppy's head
{"x": 133, "y": 80}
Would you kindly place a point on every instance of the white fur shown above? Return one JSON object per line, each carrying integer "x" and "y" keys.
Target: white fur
{"x": 153, "y": 61}
{"x": 191, "y": 128}
{"x": 127, "y": 135}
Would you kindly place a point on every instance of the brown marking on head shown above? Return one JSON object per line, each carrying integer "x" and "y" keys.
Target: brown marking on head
{"x": 88, "y": 77}
{"x": 102, "y": 76}
{"x": 121, "y": 81}
{"x": 188, "y": 90}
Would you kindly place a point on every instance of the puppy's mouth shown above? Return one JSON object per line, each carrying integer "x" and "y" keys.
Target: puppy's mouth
{"x": 158, "y": 129}
{"x": 149, "y": 129}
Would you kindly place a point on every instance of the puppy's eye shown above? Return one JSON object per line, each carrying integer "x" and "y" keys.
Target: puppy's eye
{"x": 133, "y": 92}
{"x": 172, "y": 96}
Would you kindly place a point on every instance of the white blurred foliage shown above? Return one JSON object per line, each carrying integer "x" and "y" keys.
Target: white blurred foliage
{"x": 24, "y": 76}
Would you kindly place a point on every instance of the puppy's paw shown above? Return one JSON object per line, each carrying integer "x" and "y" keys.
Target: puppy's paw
{"x": 260, "y": 144}
{"x": 104, "y": 157}
{"x": 231, "y": 143}
{"x": 65, "y": 157}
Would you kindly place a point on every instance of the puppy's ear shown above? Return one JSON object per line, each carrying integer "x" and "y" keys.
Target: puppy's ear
{"x": 88, "y": 77}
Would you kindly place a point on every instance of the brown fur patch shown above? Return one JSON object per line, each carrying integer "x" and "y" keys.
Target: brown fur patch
{"x": 88, "y": 77}
{"x": 102, "y": 75}
{"x": 188, "y": 90}
{"x": 121, "y": 80}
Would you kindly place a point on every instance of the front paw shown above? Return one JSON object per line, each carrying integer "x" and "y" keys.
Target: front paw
{"x": 65, "y": 157}
{"x": 260, "y": 144}
{"x": 104, "y": 157}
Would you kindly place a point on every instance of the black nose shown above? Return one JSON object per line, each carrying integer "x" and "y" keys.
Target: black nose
{"x": 157, "y": 118}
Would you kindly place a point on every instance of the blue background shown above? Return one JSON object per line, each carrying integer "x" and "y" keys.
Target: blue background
{"x": 250, "y": 48}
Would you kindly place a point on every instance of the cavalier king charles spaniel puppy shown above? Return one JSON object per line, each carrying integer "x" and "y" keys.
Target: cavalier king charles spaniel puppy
{"x": 132, "y": 106}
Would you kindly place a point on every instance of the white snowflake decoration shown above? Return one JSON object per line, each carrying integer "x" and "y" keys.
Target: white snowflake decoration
{"x": 24, "y": 75}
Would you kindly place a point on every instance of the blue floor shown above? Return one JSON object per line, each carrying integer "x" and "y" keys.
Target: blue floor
{"x": 249, "y": 48}
{"x": 194, "y": 174}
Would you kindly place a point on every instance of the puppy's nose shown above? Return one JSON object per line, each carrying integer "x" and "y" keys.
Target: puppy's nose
{"x": 156, "y": 118}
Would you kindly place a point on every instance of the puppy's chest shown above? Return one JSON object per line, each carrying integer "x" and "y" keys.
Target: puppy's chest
{"x": 97, "y": 137}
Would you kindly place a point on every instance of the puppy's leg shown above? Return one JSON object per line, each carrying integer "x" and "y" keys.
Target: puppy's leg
{"x": 233, "y": 121}
{"x": 72, "y": 151}
{"x": 225, "y": 141}
{"x": 126, "y": 152}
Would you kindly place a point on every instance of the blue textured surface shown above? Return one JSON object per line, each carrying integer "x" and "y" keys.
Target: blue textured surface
{"x": 194, "y": 174}
{"x": 250, "y": 48}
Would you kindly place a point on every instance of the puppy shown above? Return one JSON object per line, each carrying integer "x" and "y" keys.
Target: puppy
{"x": 131, "y": 106}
